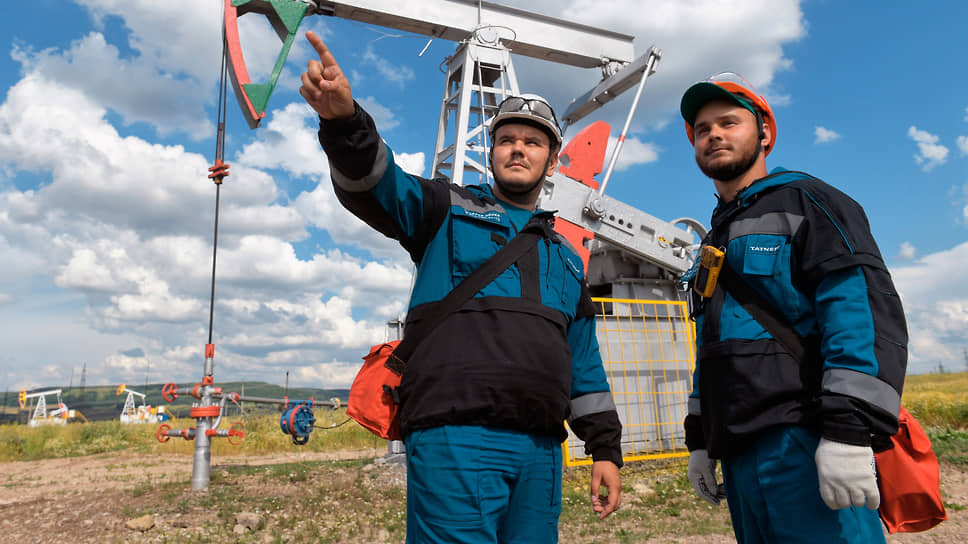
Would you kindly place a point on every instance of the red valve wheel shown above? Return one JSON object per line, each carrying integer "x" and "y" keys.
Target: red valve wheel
{"x": 162, "y": 433}
{"x": 236, "y": 433}
{"x": 170, "y": 392}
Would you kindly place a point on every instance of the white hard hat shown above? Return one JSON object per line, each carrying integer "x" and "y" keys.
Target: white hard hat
{"x": 530, "y": 108}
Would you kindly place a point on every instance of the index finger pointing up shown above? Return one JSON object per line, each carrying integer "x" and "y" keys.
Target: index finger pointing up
{"x": 325, "y": 56}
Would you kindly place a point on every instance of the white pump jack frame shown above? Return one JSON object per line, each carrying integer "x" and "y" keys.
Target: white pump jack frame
{"x": 538, "y": 36}
{"x": 480, "y": 71}
{"x": 650, "y": 238}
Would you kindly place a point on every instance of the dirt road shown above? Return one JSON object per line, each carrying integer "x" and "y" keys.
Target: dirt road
{"x": 290, "y": 498}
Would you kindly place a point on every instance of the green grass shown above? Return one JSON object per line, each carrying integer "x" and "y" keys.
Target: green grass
{"x": 102, "y": 403}
{"x": 262, "y": 435}
{"x": 351, "y": 501}
{"x": 657, "y": 501}
{"x": 938, "y": 400}
{"x": 950, "y": 444}
{"x": 940, "y": 404}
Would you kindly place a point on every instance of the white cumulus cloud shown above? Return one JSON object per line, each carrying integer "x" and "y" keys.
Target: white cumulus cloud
{"x": 411, "y": 163}
{"x": 287, "y": 142}
{"x": 136, "y": 90}
{"x": 963, "y": 144}
{"x": 930, "y": 152}
{"x": 824, "y": 135}
{"x": 936, "y": 308}
{"x": 633, "y": 152}
{"x": 907, "y": 251}
{"x": 383, "y": 117}
{"x": 698, "y": 38}
{"x": 388, "y": 71}
{"x": 964, "y": 191}
{"x": 110, "y": 243}
{"x": 120, "y": 230}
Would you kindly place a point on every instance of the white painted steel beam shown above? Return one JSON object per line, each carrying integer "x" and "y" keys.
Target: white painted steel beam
{"x": 534, "y": 35}
{"x": 609, "y": 88}
{"x": 619, "y": 224}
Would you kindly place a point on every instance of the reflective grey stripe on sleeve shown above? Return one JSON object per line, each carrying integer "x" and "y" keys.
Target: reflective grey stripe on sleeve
{"x": 864, "y": 387}
{"x": 459, "y": 198}
{"x": 591, "y": 403}
{"x": 785, "y": 224}
{"x": 695, "y": 409}
{"x": 367, "y": 182}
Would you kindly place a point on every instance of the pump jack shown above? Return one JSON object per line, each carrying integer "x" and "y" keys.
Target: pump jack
{"x": 629, "y": 254}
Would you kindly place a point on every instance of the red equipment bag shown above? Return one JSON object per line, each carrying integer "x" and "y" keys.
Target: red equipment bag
{"x": 373, "y": 401}
{"x": 909, "y": 481}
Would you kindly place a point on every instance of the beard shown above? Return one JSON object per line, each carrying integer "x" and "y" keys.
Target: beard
{"x": 518, "y": 188}
{"x": 520, "y": 191}
{"x": 734, "y": 169}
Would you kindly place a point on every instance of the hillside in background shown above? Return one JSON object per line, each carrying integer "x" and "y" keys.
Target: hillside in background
{"x": 935, "y": 399}
{"x": 101, "y": 402}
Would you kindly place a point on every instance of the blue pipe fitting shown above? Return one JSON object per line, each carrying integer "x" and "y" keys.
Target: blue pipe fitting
{"x": 298, "y": 422}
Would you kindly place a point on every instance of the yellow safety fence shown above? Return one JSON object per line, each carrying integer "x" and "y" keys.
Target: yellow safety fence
{"x": 648, "y": 347}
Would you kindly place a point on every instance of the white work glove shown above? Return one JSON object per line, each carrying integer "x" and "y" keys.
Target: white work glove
{"x": 847, "y": 475}
{"x": 702, "y": 474}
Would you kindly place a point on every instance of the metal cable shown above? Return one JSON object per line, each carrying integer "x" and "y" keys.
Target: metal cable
{"x": 335, "y": 425}
{"x": 219, "y": 151}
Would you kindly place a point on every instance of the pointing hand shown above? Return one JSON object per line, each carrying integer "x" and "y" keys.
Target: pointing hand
{"x": 324, "y": 87}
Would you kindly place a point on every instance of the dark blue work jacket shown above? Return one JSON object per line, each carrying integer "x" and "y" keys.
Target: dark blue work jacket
{"x": 522, "y": 353}
{"x": 807, "y": 249}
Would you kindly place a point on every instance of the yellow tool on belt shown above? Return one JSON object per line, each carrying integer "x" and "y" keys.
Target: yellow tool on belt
{"x": 711, "y": 262}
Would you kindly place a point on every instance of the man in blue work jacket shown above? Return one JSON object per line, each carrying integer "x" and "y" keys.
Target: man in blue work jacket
{"x": 795, "y": 435}
{"x": 484, "y": 396}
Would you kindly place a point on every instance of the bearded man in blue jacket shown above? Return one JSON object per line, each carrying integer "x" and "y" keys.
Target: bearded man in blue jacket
{"x": 795, "y": 434}
{"x": 485, "y": 395}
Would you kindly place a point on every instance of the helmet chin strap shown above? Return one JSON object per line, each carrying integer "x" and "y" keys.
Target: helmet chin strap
{"x": 547, "y": 164}
{"x": 534, "y": 186}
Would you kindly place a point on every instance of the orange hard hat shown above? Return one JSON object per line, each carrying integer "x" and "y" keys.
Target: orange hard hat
{"x": 729, "y": 86}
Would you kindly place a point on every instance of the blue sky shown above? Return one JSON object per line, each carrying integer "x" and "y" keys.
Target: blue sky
{"x": 107, "y": 119}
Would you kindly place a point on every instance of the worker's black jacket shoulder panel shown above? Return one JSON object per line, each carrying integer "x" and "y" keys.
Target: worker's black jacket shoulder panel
{"x": 806, "y": 247}
{"x": 522, "y": 354}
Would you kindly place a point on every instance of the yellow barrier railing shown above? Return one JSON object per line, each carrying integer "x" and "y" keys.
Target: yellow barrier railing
{"x": 648, "y": 347}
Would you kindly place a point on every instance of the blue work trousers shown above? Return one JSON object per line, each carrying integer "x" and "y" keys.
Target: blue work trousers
{"x": 774, "y": 495}
{"x": 481, "y": 485}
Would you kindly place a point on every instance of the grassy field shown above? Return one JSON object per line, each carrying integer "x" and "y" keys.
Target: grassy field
{"x": 940, "y": 404}
{"x": 350, "y": 501}
{"x": 101, "y": 402}
{"x": 938, "y": 401}
{"x": 262, "y": 435}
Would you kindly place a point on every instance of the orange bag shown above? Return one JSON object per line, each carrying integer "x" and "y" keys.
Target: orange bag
{"x": 909, "y": 481}
{"x": 373, "y": 401}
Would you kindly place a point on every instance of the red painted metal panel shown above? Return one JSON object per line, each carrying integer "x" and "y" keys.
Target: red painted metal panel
{"x": 236, "y": 65}
{"x": 586, "y": 153}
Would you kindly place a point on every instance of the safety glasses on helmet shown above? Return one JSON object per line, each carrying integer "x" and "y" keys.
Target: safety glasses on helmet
{"x": 727, "y": 84}
{"x": 536, "y": 106}
{"x": 528, "y": 108}
{"x": 739, "y": 85}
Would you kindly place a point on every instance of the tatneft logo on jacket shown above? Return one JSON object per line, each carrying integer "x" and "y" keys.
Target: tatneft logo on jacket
{"x": 493, "y": 217}
{"x": 764, "y": 250}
